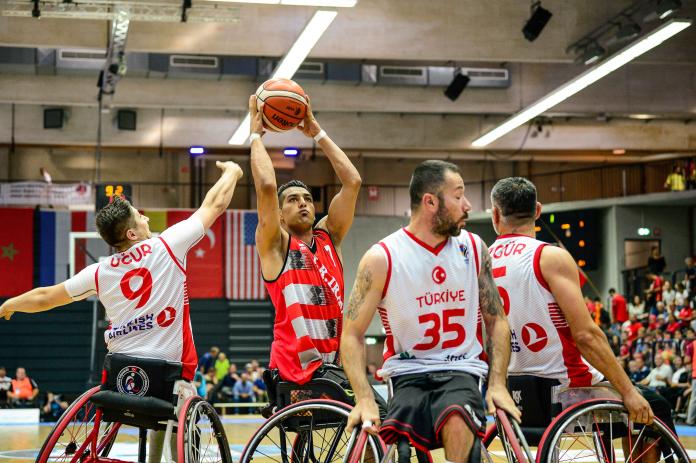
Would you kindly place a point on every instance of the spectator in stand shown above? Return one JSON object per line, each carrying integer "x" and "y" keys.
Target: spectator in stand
{"x": 619, "y": 310}
{"x": 207, "y": 360}
{"x": 243, "y": 391}
{"x": 658, "y": 376}
{"x": 211, "y": 385}
{"x": 222, "y": 366}
{"x": 24, "y": 390}
{"x": 654, "y": 292}
{"x": 675, "y": 181}
{"x": 260, "y": 385}
{"x": 678, "y": 382}
{"x": 681, "y": 295}
{"x": 200, "y": 383}
{"x": 632, "y": 328}
{"x": 661, "y": 315}
{"x": 637, "y": 308}
{"x": 638, "y": 370}
{"x": 226, "y": 385}
{"x": 690, "y": 276}
{"x": 672, "y": 324}
{"x": 53, "y": 408}
{"x": 5, "y": 386}
{"x": 656, "y": 261}
{"x": 691, "y": 414}
{"x": 668, "y": 293}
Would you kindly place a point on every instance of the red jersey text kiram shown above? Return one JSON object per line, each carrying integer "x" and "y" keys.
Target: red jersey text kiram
{"x": 308, "y": 300}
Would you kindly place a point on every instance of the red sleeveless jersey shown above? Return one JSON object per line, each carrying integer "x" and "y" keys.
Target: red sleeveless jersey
{"x": 308, "y": 300}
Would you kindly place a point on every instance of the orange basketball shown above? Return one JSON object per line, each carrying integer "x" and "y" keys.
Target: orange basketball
{"x": 284, "y": 103}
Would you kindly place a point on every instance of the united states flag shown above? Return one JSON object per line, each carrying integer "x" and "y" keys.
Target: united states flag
{"x": 243, "y": 269}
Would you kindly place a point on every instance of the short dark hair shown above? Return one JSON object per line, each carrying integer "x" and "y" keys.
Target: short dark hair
{"x": 515, "y": 197}
{"x": 428, "y": 178}
{"x": 612, "y": 290}
{"x": 113, "y": 220}
{"x": 291, "y": 184}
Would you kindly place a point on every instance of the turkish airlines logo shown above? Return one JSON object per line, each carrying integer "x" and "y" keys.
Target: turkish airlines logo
{"x": 166, "y": 317}
{"x": 439, "y": 275}
{"x": 534, "y": 337}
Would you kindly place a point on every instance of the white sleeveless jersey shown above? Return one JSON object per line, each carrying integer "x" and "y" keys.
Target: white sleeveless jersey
{"x": 542, "y": 344}
{"x": 430, "y": 305}
{"x": 144, "y": 293}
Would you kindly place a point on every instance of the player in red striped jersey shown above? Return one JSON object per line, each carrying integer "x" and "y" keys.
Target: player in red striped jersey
{"x": 301, "y": 261}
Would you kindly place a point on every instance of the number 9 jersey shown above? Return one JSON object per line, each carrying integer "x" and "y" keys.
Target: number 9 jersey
{"x": 143, "y": 290}
{"x": 430, "y": 305}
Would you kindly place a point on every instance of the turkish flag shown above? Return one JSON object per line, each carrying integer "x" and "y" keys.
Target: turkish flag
{"x": 204, "y": 260}
{"x": 16, "y": 251}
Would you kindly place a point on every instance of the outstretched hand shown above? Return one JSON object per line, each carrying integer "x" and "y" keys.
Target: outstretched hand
{"x": 309, "y": 127}
{"x": 230, "y": 166}
{"x": 5, "y": 311}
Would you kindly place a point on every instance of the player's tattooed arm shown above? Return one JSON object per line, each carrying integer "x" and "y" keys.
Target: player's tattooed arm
{"x": 359, "y": 312}
{"x": 489, "y": 297}
{"x": 363, "y": 283}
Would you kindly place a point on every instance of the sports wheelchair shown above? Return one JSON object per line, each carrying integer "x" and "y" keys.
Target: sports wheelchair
{"x": 146, "y": 394}
{"x": 308, "y": 425}
{"x": 582, "y": 424}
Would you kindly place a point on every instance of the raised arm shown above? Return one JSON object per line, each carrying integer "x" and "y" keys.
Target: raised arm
{"x": 362, "y": 305}
{"x": 342, "y": 207}
{"x": 497, "y": 339}
{"x": 269, "y": 234}
{"x": 219, "y": 196}
{"x": 560, "y": 272}
{"x": 36, "y": 300}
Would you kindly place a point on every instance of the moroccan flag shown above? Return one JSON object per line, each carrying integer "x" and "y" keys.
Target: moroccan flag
{"x": 16, "y": 251}
{"x": 204, "y": 260}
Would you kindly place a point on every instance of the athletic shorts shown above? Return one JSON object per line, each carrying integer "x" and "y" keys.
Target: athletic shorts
{"x": 423, "y": 402}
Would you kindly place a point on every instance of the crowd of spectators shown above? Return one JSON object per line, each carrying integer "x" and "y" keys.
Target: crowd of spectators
{"x": 653, "y": 334}
{"x": 23, "y": 392}
{"x": 220, "y": 381}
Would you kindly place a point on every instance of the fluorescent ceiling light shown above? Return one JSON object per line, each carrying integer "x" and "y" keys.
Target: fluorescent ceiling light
{"x": 585, "y": 79}
{"x": 318, "y": 3}
{"x": 325, "y": 3}
{"x": 291, "y": 62}
{"x": 642, "y": 116}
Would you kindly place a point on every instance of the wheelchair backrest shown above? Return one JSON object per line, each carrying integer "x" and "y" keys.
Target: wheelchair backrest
{"x": 317, "y": 388}
{"x": 533, "y": 396}
{"x": 140, "y": 377}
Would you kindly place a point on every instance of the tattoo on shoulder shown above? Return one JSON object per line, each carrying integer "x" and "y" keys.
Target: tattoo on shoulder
{"x": 363, "y": 283}
{"x": 489, "y": 297}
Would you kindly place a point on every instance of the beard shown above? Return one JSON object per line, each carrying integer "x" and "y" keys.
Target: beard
{"x": 444, "y": 225}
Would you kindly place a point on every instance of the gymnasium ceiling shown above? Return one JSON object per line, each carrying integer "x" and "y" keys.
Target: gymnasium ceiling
{"x": 378, "y": 119}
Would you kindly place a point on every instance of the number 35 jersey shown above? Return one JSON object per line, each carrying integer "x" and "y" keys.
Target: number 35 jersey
{"x": 430, "y": 305}
{"x": 145, "y": 296}
{"x": 542, "y": 344}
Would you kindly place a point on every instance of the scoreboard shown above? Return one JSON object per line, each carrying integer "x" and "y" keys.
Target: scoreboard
{"x": 107, "y": 191}
{"x": 580, "y": 232}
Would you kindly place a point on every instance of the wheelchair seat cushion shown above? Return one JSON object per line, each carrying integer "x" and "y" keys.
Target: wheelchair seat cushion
{"x": 134, "y": 405}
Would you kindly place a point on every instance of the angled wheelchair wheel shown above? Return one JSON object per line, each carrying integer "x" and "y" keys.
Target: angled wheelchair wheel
{"x": 600, "y": 430}
{"x": 311, "y": 431}
{"x": 201, "y": 437}
{"x": 73, "y": 434}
